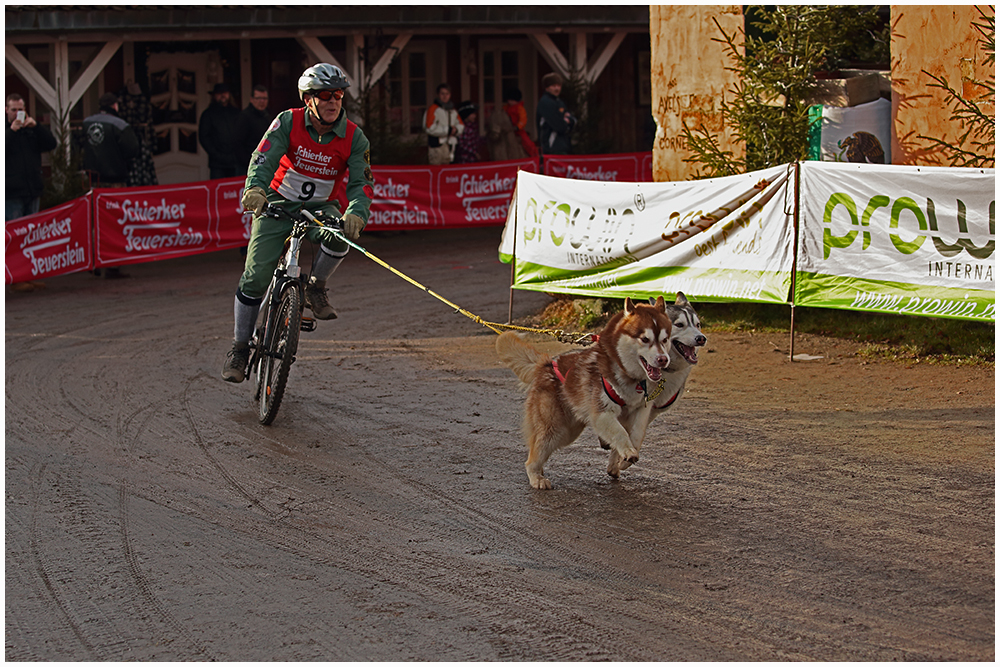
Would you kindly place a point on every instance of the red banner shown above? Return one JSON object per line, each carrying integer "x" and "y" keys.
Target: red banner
{"x": 230, "y": 224}
{"x": 50, "y": 243}
{"x": 466, "y": 195}
{"x": 144, "y": 224}
{"x": 622, "y": 167}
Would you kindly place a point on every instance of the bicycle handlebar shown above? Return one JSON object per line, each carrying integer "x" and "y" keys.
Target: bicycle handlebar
{"x": 304, "y": 217}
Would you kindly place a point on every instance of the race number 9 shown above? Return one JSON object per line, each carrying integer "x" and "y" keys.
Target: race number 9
{"x": 296, "y": 186}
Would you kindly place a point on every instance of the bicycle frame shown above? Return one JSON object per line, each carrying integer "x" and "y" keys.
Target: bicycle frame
{"x": 272, "y": 341}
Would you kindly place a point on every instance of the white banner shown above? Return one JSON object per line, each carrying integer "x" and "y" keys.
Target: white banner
{"x": 718, "y": 239}
{"x": 908, "y": 240}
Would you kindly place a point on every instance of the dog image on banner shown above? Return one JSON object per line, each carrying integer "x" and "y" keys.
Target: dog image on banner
{"x": 685, "y": 339}
{"x": 607, "y": 386}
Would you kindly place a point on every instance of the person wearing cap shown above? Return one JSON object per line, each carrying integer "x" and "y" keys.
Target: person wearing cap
{"x": 109, "y": 143}
{"x": 300, "y": 163}
{"x": 555, "y": 122}
{"x": 217, "y": 135}
{"x": 470, "y": 144}
{"x": 443, "y": 127}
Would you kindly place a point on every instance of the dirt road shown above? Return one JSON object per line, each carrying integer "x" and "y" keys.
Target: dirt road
{"x": 828, "y": 510}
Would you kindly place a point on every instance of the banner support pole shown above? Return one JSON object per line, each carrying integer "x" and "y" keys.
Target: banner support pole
{"x": 513, "y": 260}
{"x": 795, "y": 265}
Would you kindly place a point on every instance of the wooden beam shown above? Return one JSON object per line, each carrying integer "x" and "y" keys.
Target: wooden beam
{"x": 551, "y": 53}
{"x": 578, "y": 54}
{"x": 601, "y": 60}
{"x": 30, "y": 75}
{"x": 90, "y": 74}
{"x": 321, "y": 53}
{"x": 355, "y": 62}
{"x": 382, "y": 66}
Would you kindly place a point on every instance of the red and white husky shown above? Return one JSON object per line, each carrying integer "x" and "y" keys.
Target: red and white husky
{"x": 685, "y": 337}
{"x": 606, "y": 386}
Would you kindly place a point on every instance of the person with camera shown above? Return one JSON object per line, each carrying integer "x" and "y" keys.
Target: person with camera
{"x": 26, "y": 140}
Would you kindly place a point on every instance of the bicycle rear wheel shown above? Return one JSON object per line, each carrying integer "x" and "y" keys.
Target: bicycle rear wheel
{"x": 281, "y": 341}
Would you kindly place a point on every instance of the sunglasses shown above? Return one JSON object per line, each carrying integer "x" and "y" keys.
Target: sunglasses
{"x": 327, "y": 95}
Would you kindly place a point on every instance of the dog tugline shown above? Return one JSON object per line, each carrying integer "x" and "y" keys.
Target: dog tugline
{"x": 299, "y": 164}
{"x": 616, "y": 386}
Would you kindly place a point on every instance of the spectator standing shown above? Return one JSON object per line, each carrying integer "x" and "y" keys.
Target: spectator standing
{"x": 519, "y": 118}
{"x": 443, "y": 126}
{"x": 109, "y": 143}
{"x": 555, "y": 122}
{"x": 251, "y": 126}
{"x": 26, "y": 140}
{"x": 470, "y": 144}
{"x": 505, "y": 144}
{"x": 217, "y": 135}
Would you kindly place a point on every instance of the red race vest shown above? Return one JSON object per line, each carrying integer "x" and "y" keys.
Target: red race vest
{"x": 309, "y": 170}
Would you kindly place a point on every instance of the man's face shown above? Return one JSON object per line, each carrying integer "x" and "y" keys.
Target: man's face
{"x": 222, "y": 98}
{"x": 13, "y": 106}
{"x": 554, "y": 89}
{"x": 327, "y": 111}
{"x": 259, "y": 100}
{"x": 444, "y": 95}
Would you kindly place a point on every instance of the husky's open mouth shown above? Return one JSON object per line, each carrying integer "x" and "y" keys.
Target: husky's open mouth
{"x": 652, "y": 372}
{"x": 688, "y": 352}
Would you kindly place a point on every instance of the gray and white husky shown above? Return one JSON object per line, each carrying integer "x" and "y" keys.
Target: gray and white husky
{"x": 685, "y": 338}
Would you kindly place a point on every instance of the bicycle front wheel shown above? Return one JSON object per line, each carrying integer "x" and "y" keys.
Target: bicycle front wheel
{"x": 281, "y": 341}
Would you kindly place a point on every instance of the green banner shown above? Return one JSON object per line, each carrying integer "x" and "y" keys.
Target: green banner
{"x": 897, "y": 298}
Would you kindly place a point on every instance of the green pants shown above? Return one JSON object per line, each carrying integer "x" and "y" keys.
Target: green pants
{"x": 267, "y": 242}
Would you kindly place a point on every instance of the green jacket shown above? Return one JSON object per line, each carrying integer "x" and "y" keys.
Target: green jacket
{"x": 360, "y": 183}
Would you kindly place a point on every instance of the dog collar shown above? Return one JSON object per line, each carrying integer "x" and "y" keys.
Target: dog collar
{"x": 610, "y": 391}
{"x": 640, "y": 388}
{"x": 668, "y": 403}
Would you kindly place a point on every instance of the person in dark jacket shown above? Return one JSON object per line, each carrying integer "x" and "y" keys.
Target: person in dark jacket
{"x": 251, "y": 126}
{"x": 555, "y": 122}
{"x": 217, "y": 135}
{"x": 109, "y": 143}
{"x": 26, "y": 140}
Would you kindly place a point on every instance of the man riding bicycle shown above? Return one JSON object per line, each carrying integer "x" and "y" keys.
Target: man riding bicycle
{"x": 300, "y": 162}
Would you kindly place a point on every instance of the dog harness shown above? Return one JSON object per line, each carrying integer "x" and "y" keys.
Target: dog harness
{"x": 640, "y": 388}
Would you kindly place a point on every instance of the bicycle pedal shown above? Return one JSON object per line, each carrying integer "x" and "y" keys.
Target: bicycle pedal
{"x": 307, "y": 324}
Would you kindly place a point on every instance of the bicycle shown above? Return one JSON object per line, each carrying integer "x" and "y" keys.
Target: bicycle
{"x": 275, "y": 338}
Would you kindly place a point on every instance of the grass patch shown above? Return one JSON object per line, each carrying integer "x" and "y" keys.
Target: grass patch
{"x": 882, "y": 336}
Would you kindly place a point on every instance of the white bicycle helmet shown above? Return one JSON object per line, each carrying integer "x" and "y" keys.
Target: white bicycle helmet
{"x": 323, "y": 76}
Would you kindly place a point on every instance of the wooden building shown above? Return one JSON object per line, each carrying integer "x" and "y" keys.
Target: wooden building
{"x": 62, "y": 58}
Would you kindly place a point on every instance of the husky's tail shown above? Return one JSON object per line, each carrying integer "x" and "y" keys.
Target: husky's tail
{"x": 522, "y": 358}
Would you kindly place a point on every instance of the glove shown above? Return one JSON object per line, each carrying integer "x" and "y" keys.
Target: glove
{"x": 353, "y": 225}
{"x": 254, "y": 199}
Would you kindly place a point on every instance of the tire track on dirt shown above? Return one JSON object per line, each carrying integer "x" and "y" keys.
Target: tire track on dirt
{"x": 123, "y": 421}
{"x": 508, "y": 532}
{"x": 42, "y": 568}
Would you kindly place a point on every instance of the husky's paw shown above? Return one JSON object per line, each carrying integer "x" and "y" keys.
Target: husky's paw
{"x": 541, "y": 483}
{"x": 537, "y": 478}
{"x": 614, "y": 464}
